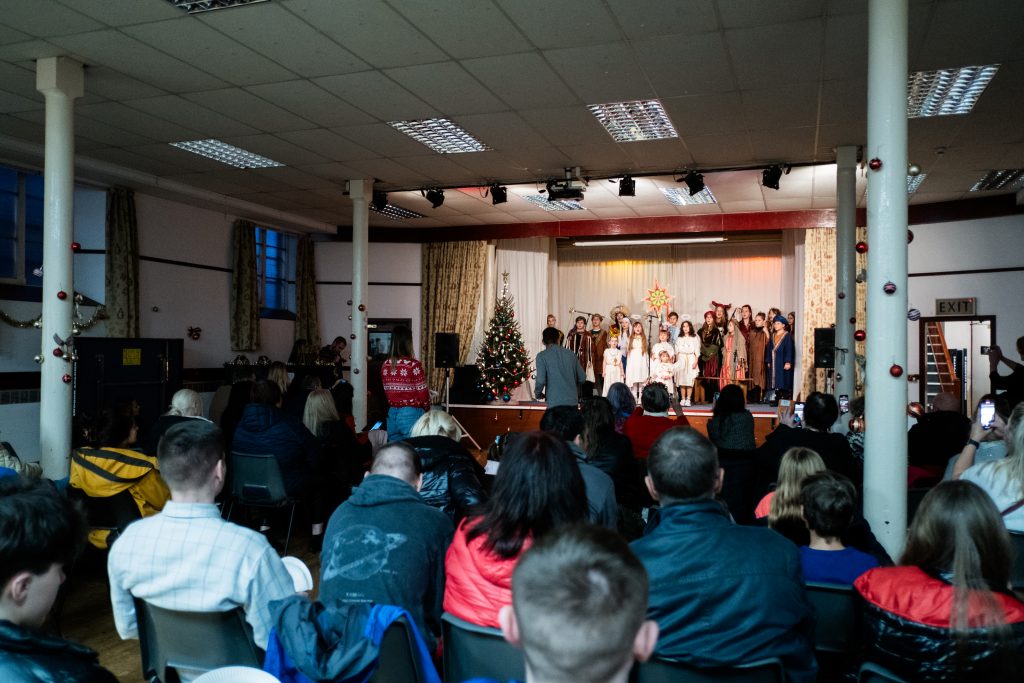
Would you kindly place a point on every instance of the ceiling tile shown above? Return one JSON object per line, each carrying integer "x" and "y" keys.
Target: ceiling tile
{"x": 31, "y": 50}
{"x": 464, "y": 28}
{"x": 447, "y": 87}
{"x": 706, "y": 114}
{"x": 371, "y": 30}
{"x": 327, "y": 144}
{"x": 9, "y": 35}
{"x": 11, "y": 103}
{"x": 794, "y": 104}
{"x": 442, "y": 169}
{"x": 523, "y": 81}
{"x": 44, "y": 18}
{"x": 548, "y": 26}
{"x": 208, "y": 182}
{"x": 515, "y": 165}
{"x": 763, "y": 55}
{"x": 605, "y": 158}
{"x": 601, "y": 73}
{"x": 384, "y": 140}
{"x": 132, "y": 120}
{"x": 744, "y": 206}
{"x": 646, "y": 18}
{"x": 195, "y": 43}
{"x": 19, "y": 81}
{"x": 311, "y": 102}
{"x": 117, "y": 137}
{"x": 656, "y": 155}
{"x": 295, "y": 177}
{"x": 719, "y": 149}
{"x": 846, "y": 47}
{"x": 186, "y": 160}
{"x": 689, "y": 65}
{"x": 743, "y": 14}
{"x": 272, "y": 200}
{"x": 843, "y": 101}
{"x": 135, "y": 162}
{"x": 124, "y": 12}
{"x": 386, "y": 170}
{"x": 332, "y": 171}
{"x": 502, "y": 130}
{"x": 971, "y": 33}
{"x": 567, "y": 126}
{"x": 20, "y": 128}
{"x": 276, "y": 148}
{"x": 115, "y": 85}
{"x": 178, "y": 109}
{"x": 377, "y": 95}
{"x": 238, "y": 104}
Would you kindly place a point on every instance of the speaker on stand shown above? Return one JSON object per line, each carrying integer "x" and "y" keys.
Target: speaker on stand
{"x": 446, "y": 357}
{"x": 825, "y": 354}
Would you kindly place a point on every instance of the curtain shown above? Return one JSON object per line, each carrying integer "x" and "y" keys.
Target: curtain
{"x": 453, "y": 276}
{"x": 245, "y": 296}
{"x": 820, "y": 303}
{"x": 307, "y": 324}
{"x": 122, "y": 278}
{"x": 527, "y": 262}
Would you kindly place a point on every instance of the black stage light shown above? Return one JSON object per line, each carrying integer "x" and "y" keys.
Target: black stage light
{"x": 380, "y": 200}
{"x": 499, "y": 194}
{"x": 435, "y": 197}
{"x": 627, "y": 187}
{"x": 694, "y": 181}
{"x": 770, "y": 177}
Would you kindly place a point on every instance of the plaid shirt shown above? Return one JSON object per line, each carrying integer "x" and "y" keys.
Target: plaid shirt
{"x": 189, "y": 559}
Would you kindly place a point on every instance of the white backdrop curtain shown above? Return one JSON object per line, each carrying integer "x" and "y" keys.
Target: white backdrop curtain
{"x": 526, "y": 262}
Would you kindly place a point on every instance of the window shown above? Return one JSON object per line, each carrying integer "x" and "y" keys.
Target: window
{"x": 275, "y": 269}
{"x": 21, "y": 227}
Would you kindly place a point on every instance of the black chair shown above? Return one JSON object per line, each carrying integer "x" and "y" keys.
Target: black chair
{"x": 197, "y": 641}
{"x": 256, "y": 481}
{"x": 398, "y": 662}
{"x": 873, "y": 673}
{"x": 668, "y": 671}
{"x": 112, "y": 513}
{"x": 838, "y": 617}
{"x": 472, "y": 651}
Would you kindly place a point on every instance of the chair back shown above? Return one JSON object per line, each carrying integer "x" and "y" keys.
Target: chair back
{"x": 199, "y": 641}
{"x": 472, "y": 651}
{"x": 398, "y": 662}
{"x": 838, "y": 622}
{"x": 873, "y": 673}
{"x": 1017, "y": 569}
{"x": 667, "y": 671}
{"x": 256, "y": 479}
{"x": 114, "y": 512}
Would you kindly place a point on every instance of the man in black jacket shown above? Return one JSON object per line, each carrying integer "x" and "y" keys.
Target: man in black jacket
{"x": 40, "y": 534}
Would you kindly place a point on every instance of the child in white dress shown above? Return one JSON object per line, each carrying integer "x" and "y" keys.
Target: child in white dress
{"x": 687, "y": 352}
{"x": 662, "y": 371}
{"x": 637, "y": 371}
{"x": 664, "y": 344}
{"x": 612, "y": 367}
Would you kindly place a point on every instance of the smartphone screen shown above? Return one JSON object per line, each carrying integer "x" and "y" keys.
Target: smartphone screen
{"x": 798, "y": 414}
{"x": 844, "y": 403}
{"x": 376, "y": 426}
{"x": 783, "y": 408}
{"x": 987, "y": 414}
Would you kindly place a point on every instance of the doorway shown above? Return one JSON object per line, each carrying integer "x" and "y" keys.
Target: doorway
{"x": 954, "y": 357}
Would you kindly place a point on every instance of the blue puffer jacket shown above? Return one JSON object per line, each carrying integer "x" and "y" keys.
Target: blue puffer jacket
{"x": 266, "y": 429}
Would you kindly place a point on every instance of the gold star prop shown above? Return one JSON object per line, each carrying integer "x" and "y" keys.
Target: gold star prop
{"x": 657, "y": 299}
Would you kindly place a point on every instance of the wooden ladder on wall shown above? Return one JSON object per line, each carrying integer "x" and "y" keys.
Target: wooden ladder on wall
{"x": 940, "y": 377}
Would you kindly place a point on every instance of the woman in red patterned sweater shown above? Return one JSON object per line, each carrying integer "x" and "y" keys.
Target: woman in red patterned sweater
{"x": 405, "y": 385}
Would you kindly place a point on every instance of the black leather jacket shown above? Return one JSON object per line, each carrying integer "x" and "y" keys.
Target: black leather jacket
{"x": 30, "y": 657}
{"x": 451, "y": 477}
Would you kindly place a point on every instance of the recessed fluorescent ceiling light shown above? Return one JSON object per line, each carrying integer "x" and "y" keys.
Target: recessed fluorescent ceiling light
{"x": 946, "y": 91}
{"x": 440, "y": 135}
{"x": 196, "y": 6}
{"x": 635, "y": 120}
{"x": 555, "y": 205}
{"x": 395, "y": 212}
{"x": 630, "y": 243}
{"x": 914, "y": 182}
{"x": 1006, "y": 179}
{"x": 682, "y": 197}
{"x": 226, "y": 154}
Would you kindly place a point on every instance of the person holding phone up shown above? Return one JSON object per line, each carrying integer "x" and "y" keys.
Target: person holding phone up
{"x": 1012, "y": 384}
{"x": 1003, "y": 479}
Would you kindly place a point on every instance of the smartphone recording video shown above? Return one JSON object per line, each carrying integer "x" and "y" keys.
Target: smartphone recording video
{"x": 987, "y": 414}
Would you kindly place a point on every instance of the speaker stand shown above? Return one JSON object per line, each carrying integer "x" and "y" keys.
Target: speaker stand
{"x": 447, "y": 408}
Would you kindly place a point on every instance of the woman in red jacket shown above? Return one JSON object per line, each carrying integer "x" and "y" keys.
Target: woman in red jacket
{"x": 538, "y": 487}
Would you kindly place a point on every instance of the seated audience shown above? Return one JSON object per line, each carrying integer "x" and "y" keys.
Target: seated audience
{"x": 645, "y": 425}
{"x": 855, "y": 428}
{"x": 784, "y": 501}
{"x": 40, "y": 535}
{"x": 10, "y": 461}
{"x": 984, "y": 445}
{"x": 385, "y": 545}
{"x": 185, "y": 405}
{"x": 938, "y": 434}
{"x": 946, "y": 613}
{"x": 567, "y": 423}
{"x": 1012, "y": 384}
{"x": 578, "y": 602}
{"x": 1002, "y": 480}
{"x": 344, "y": 458}
{"x": 612, "y": 453}
{"x": 239, "y": 397}
{"x": 722, "y": 594}
{"x": 451, "y": 476}
{"x": 538, "y": 488}
{"x": 731, "y": 426}
{"x": 820, "y": 412}
{"x": 623, "y": 403}
{"x": 188, "y": 558}
{"x": 828, "y": 501}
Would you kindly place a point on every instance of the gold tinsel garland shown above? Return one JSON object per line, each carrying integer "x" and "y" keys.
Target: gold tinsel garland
{"x": 77, "y": 324}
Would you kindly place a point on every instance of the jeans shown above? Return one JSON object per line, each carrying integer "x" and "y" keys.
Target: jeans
{"x": 400, "y": 422}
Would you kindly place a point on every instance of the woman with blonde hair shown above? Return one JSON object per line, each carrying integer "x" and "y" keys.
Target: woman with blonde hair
{"x": 185, "y": 405}
{"x": 1002, "y": 480}
{"x": 278, "y": 374}
{"x": 344, "y": 457}
{"x": 784, "y": 502}
{"x": 451, "y": 476}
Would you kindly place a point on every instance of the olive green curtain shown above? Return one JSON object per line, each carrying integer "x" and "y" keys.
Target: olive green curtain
{"x": 245, "y": 296}
{"x": 122, "y": 276}
{"x": 453, "y": 281}
{"x": 307, "y": 323}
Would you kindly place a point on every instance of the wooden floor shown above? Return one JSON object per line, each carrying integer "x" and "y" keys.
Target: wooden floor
{"x": 86, "y": 615}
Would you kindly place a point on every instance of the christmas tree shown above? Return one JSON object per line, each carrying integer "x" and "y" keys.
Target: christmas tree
{"x": 503, "y": 361}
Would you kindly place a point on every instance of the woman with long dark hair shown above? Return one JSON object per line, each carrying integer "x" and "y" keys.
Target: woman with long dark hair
{"x": 538, "y": 487}
{"x": 623, "y": 403}
{"x": 612, "y": 453}
{"x": 947, "y": 613}
{"x": 405, "y": 385}
{"x": 731, "y": 425}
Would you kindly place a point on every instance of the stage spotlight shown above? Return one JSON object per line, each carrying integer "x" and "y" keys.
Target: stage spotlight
{"x": 435, "y": 197}
{"x": 380, "y": 200}
{"x": 627, "y": 187}
{"x": 694, "y": 181}
{"x": 499, "y": 194}
{"x": 770, "y": 177}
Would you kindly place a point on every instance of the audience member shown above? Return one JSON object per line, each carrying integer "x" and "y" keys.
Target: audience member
{"x": 612, "y": 453}
{"x": 984, "y": 445}
{"x": 938, "y": 434}
{"x": 238, "y": 398}
{"x": 783, "y": 504}
{"x": 185, "y": 405}
{"x": 278, "y": 374}
{"x": 559, "y": 374}
{"x": 451, "y": 476}
{"x": 649, "y": 421}
{"x": 1002, "y": 480}
{"x": 385, "y": 546}
{"x": 855, "y": 429}
{"x": 538, "y": 488}
{"x": 188, "y": 558}
{"x": 623, "y": 403}
{"x": 947, "y": 613}
{"x": 1012, "y": 384}
{"x": 405, "y": 385}
{"x": 731, "y": 426}
{"x": 344, "y": 458}
{"x": 567, "y": 423}
{"x": 828, "y": 501}
{"x": 722, "y": 594}
{"x": 578, "y": 602}
{"x": 40, "y": 535}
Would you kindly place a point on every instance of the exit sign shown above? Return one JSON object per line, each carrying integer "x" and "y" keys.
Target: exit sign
{"x": 954, "y": 306}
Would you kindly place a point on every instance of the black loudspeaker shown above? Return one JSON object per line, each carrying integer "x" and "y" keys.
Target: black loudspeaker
{"x": 824, "y": 347}
{"x": 446, "y": 349}
{"x": 464, "y": 387}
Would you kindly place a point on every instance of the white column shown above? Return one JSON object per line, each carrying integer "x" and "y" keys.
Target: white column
{"x": 61, "y": 81}
{"x": 885, "y": 444}
{"x": 846, "y": 266}
{"x": 359, "y": 191}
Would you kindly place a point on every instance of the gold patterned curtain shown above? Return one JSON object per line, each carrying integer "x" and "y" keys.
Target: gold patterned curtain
{"x": 122, "y": 278}
{"x": 307, "y": 323}
{"x": 245, "y": 296}
{"x": 453, "y": 281}
{"x": 820, "y": 301}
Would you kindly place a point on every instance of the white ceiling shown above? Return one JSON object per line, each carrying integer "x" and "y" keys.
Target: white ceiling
{"x": 312, "y": 83}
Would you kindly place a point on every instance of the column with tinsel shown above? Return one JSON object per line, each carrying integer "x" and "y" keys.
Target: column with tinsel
{"x": 503, "y": 360}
